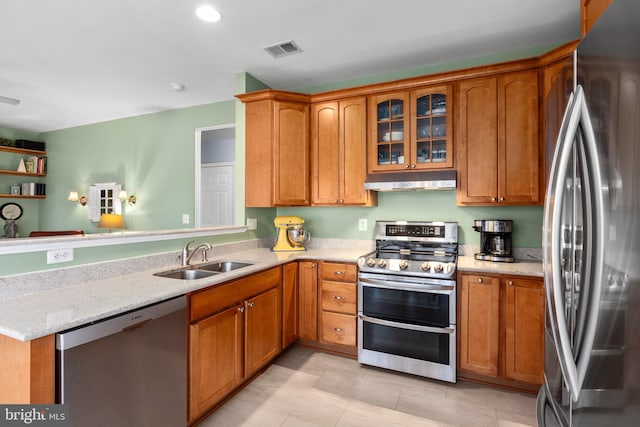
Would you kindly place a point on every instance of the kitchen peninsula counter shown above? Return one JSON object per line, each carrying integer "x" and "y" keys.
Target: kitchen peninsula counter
{"x": 36, "y": 314}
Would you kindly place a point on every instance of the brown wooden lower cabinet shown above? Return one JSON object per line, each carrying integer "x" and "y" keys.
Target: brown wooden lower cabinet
{"x": 289, "y": 304}
{"x": 27, "y": 371}
{"x": 501, "y": 329}
{"x": 338, "y": 306}
{"x": 308, "y": 300}
{"x": 215, "y": 358}
{"x": 235, "y": 330}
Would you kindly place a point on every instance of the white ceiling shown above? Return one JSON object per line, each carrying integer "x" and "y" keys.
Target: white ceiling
{"x": 74, "y": 62}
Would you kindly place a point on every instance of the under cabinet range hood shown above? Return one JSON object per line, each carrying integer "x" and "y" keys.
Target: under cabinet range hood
{"x": 412, "y": 181}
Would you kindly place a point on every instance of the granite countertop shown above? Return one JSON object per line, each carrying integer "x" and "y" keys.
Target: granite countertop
{"x": 33, "y": 315}
{"x": 521, "y": 268}
{"x": 39, "y": 312}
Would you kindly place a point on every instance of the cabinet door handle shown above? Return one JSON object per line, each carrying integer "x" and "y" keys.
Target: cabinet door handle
{"x": 338, "y": 329}
{"x": 339, "y": 273}
{"x": 241, "y": 309}
{"x": 480, "y": 280}
{"x": 251, "y": 303}
{"x": 338, "y": 297}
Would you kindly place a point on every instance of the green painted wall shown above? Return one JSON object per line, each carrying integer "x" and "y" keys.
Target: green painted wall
{"x": 152, "y": 156}
{"x": 342, "y": 222}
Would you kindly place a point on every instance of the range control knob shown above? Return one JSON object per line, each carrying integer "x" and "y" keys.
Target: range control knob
{"x": 425, "y": 266}
{"x": 449, "y": 267}
{"x": 403, "y": 264}
{"x": 382, "y": 263}
{"x": 371, "y": 262}
{"x": 438, "y": 268}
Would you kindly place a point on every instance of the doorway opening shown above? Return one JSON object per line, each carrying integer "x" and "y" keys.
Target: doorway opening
{"x": 214, "y": 172}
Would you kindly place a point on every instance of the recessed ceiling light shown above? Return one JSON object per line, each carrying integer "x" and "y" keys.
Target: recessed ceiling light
{"x": 208, "y": 13}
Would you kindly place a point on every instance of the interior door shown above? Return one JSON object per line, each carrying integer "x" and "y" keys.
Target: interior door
{"x": 216, "y": 195}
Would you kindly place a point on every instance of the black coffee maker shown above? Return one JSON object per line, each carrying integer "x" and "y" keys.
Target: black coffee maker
{"x": 495, "y": 239}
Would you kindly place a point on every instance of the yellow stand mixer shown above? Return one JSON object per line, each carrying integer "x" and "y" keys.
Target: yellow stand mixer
{"x": 290, "y": 235}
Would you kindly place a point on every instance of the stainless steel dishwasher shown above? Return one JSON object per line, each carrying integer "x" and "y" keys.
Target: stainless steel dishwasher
{"x": 128, "y": 370}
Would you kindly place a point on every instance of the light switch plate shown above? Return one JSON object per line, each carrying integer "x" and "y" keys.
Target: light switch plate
{"x": 185, "y": 218}
{"x": 362, "y": 224}
{"x": 252, "y": 223}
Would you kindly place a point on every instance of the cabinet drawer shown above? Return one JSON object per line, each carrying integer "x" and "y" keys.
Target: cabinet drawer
{"x": 338, "y": 297}
{"x": 339, "y": 272}
{"x": 338, "y": 329}
{"x": 214, "y": 299}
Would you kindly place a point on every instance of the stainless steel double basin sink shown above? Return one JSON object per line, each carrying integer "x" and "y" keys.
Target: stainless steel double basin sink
{"x": 193, "y": 272}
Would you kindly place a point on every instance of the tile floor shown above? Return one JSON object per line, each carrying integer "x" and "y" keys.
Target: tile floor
{"x": 305, "y": 388}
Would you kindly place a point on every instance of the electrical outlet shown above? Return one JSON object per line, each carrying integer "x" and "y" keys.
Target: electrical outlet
{"x": 362, "y": 224}
{"x": 185, "y": 218}
{"x": 252, "y": 223}
{"x": 59, "y": 255}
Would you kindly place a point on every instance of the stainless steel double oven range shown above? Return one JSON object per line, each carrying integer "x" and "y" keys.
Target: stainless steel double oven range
{"x": 407, "y": 299}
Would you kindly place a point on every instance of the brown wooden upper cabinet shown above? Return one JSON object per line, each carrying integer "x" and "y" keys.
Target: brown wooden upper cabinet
{"x": 590, "y": 11}
{"x": 339, "y": 153}
{"x": 410, "y": 130}
{"x": 277, "y": 148}
{"x": 498, "y": 142}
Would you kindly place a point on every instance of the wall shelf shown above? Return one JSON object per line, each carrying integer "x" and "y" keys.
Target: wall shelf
{"x": 8, "y": 172}
{"x": 22, "y": 151}
{"x": 19, "y": 196}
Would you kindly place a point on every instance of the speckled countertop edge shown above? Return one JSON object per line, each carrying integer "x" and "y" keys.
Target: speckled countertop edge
{"x": 54, "y": 309}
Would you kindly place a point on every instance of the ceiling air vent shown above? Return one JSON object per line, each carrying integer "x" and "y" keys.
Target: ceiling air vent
{"x": 283, "y": 49}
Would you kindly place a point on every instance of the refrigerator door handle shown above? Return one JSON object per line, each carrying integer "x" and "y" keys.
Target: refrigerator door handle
{"x": 574, "y": 363}
{"x": 593, "y": 259}
{"x": 553, "y": 243}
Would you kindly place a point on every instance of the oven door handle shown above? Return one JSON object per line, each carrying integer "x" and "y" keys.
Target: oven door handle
{"x": 404, "y": 286}
{"x": 399, "y": 325}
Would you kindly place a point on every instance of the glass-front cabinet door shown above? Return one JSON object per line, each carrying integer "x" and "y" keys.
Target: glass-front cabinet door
{"x": 410, "y": 130}
{"x": 431, "y": 137}
{"x": 388, "y": 131}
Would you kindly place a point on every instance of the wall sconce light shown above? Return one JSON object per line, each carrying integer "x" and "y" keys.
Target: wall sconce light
{"x": 122, "y": 195}
{"x": 73, "y": 197}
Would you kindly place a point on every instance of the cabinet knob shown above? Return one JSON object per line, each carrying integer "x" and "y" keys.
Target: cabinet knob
{"x": 335, "y": 200}
{"x": 251, "y": 303}
{"x": 341, "y": 200}
{"x": 314, "y": 265}
{"x": 338, "y": 330}
{"x": 338, "y": 297}
{"x": 338, "y": 273}
{"x": 413, "y": 166}
{"x": 406, "y": 166}
{"x": 493, "y": 199}
{"x": 502, "y": 199}
{"x": 480, "y": 280}
{"x": 241, "y": 309}
{"x": 510, "y": 282}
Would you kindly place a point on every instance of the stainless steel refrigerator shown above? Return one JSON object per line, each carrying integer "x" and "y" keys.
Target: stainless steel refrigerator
{"x": 592, "y": 233}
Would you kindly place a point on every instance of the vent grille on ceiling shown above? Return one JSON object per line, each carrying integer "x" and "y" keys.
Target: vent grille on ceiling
{"x": 283, "y": 49}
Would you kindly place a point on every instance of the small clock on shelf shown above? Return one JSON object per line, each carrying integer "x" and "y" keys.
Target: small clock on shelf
{"x": 10, "y": 212}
